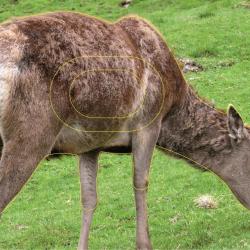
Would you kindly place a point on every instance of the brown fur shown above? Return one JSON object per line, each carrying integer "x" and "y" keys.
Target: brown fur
{"x": 113, "y": 71}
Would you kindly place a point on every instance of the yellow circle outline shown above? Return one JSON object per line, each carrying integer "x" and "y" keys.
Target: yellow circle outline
{"x": 108, "y": 131}
{"x": 108, "y": 117}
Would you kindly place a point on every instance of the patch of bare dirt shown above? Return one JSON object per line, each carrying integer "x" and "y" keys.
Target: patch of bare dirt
{"x": 188, "y": 65}
{"x": 125, "y": 3}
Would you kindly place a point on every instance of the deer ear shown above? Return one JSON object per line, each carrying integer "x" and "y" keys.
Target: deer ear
{"x": 235, "y": 124}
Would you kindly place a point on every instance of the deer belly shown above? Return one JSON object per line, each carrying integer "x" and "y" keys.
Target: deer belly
{"x": 78, "y": 142}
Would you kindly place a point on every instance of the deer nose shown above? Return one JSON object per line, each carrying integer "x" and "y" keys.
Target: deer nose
{"x": 242, "y": 193}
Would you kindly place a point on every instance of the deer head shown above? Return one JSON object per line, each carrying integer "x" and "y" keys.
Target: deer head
{"x": 235, "y": 165}
{"x": 212, "y": 140}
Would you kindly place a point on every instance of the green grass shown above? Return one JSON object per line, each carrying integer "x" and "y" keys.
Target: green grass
{"x": 47, "y": 213}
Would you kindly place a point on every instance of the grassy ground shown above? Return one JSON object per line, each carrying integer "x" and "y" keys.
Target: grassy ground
{"x": 47, "y": 214}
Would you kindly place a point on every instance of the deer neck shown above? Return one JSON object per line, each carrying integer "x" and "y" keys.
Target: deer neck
{"x": 194, "y": 130}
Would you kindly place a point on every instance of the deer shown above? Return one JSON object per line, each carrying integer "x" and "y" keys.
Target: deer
{"x": 73, "y": 83}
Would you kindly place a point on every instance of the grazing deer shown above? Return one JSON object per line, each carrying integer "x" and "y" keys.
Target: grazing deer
{"x": 76, "y": 84}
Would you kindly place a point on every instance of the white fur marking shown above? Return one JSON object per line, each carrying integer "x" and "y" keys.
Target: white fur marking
{"x": 7, "y": 74}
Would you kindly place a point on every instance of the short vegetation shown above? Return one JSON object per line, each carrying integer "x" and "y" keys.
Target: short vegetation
{"x": 47, "y": 212}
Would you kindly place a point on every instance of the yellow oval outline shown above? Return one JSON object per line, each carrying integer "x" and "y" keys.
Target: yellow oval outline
{"x": 108, "y": 117}
{"x": 107, "y": 131}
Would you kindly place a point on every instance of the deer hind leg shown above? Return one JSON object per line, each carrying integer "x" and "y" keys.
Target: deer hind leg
{"x": 143, "y": 144}
{"x": 88, "y": 173}
{"x": 25, "y": 143}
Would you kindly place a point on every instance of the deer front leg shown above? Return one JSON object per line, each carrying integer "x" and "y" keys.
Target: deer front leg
{"x": 143, "y": 144}
{"x": 88, "y": 174}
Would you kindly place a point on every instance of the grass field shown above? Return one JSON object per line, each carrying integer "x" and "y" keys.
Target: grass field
{"x": 47, "y": 213}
